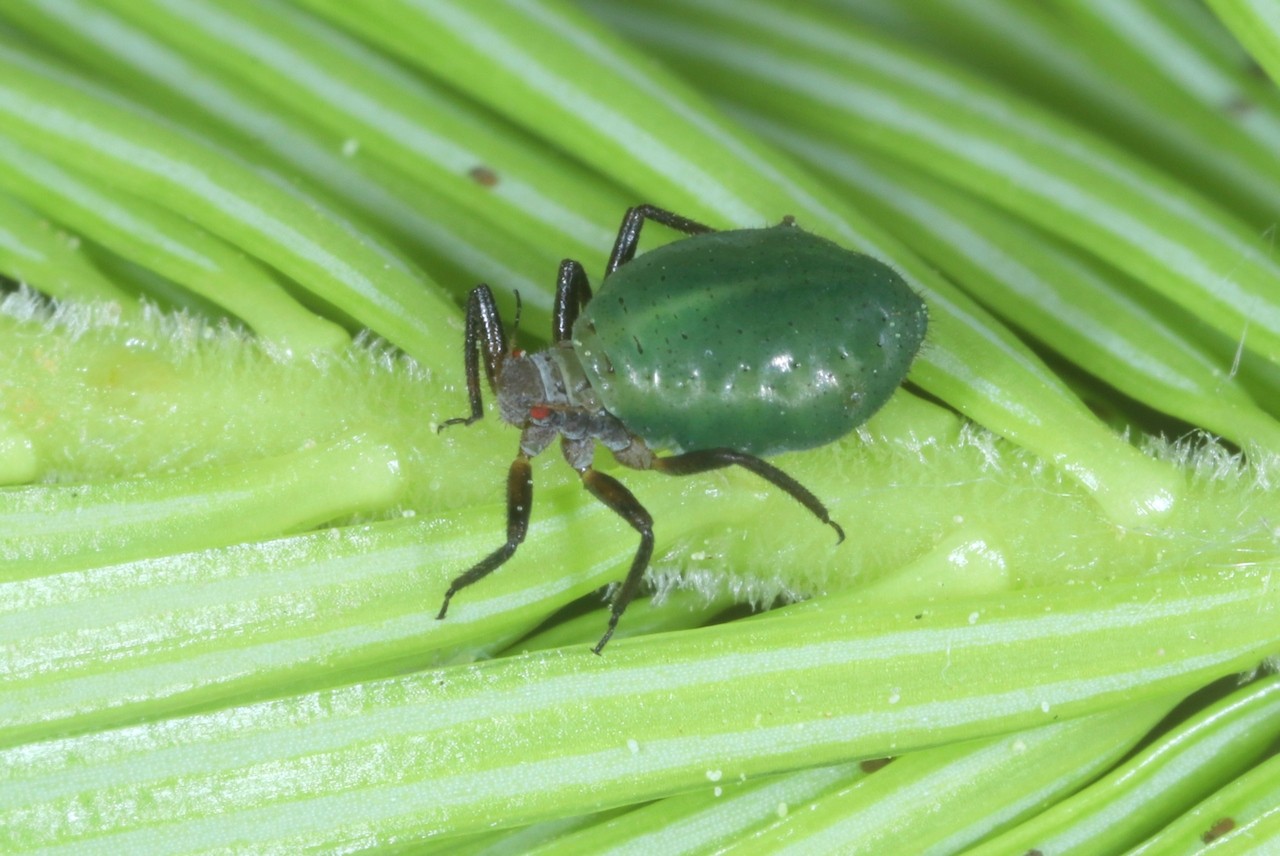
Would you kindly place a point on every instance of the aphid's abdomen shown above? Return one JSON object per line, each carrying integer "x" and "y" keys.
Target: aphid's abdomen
{"x": 760, "y": 340}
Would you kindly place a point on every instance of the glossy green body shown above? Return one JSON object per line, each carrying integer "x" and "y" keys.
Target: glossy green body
{"x": 759, "y": 340}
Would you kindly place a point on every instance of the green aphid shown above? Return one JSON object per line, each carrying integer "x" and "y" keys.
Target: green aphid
{"x": 723, "y": 346}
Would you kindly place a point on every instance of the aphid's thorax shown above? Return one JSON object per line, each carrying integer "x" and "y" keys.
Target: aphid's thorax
{"x": 577, "y": 390}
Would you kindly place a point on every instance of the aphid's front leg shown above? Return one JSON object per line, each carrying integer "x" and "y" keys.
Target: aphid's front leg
{"x": 623, "y": 502}
{"x": 484, "y": 334}
{"x": 572, "y": 293}
{"x": 624, "y": 247}
{"x": 519, "y": 504}
{"x": 713, "y": 459}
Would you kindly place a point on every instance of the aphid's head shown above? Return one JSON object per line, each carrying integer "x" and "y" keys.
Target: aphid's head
{"x": 520, "y": 384}
{"x": 521, "y": 388}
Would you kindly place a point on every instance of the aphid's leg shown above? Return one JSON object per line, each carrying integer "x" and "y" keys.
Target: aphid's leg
{"x": 612, "y": 493}
{"x": 572, "y": 293}
{"x": 519, "y": 504}
{"x": 484, "y": 334}
{"x": 624, "y": 248}
{"x": 713, "y": 459}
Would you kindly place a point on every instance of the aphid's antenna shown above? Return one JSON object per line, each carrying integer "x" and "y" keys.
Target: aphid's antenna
{"x": 515, "y": 327}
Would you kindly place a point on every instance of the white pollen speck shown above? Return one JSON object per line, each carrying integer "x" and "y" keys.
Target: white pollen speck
{"x": 714, "y": 775}
{"x": 350, "y": 147}
{"x": 1044, "y": 707}
{"x": 781, "y": 810}
{"x": 633, "y": 746}
{"x": 718, "y": 791}
{"x": 973, "y": 618}
{"x": 895, "y": 695}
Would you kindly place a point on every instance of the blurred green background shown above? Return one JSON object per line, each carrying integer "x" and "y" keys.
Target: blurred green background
{"x": 235, "y": 241}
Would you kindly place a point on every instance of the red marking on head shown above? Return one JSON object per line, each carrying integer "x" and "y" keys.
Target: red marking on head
{"x": 517, "y": 352}
{"x": 539, "y": 411}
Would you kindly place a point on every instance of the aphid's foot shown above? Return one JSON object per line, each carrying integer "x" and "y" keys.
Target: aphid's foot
{"x": 444, "y": 607}
{"x": 839, "y": 531}
{"x": 613, "y": 623}
{"x": 460, "y": 420}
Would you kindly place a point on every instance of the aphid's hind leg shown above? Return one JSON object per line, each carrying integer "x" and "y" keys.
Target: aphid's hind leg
{"x": 519, "y": 504}
{"x": 572, "y": 293}
{"x": 713, "y": 459}
{"x": 624, "y": 247}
